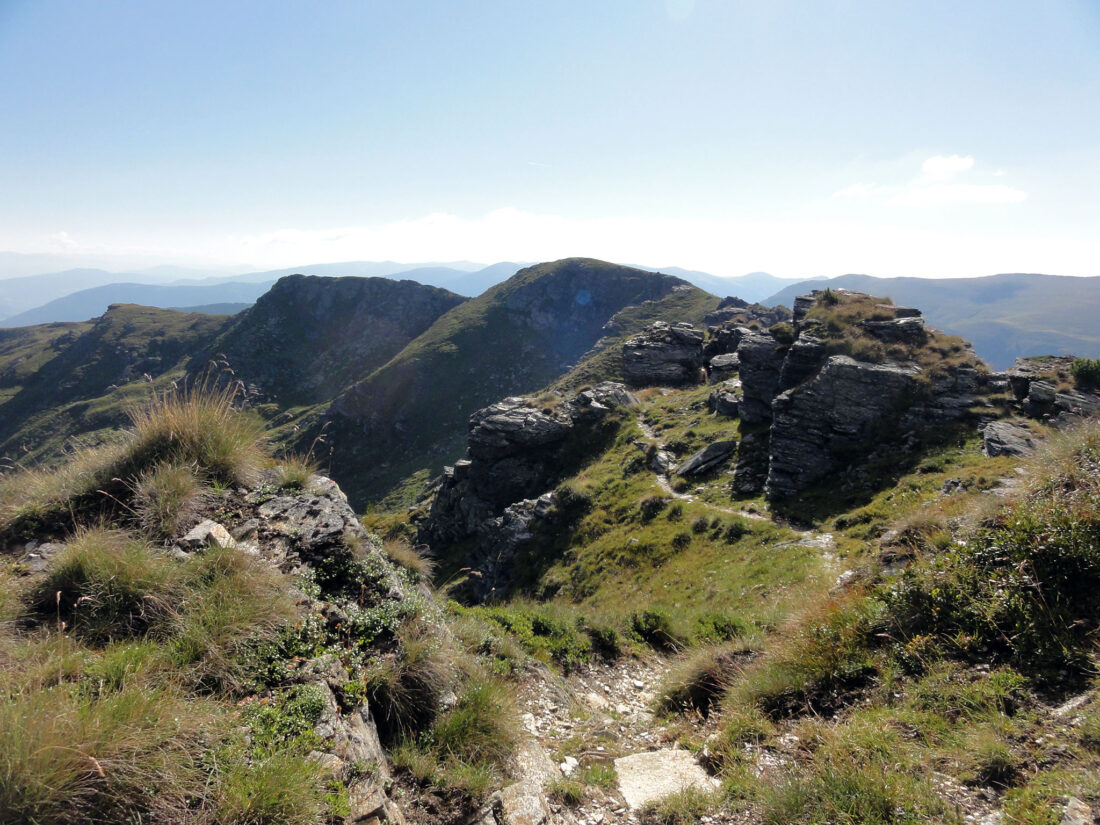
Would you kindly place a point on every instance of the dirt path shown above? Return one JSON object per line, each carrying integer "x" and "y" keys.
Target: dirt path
{"x": 598, "y": 713}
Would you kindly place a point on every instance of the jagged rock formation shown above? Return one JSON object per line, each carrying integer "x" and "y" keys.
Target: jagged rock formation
{"x": 664, "y": 355}
{"x": 310, "y": 337}
{"x": 761, "y": 358}
{"x": 817, "y": 426}
{"x": 810, "y": 414}
{"x": 516, "y": 454}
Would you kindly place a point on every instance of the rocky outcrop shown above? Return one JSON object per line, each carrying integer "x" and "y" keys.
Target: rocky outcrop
{"x": 808, "y": 415}
{"x": 737, "y": 311}
{"x": 516, "y": 453}
{"x": 1036, "y": 384}
{"x": 664, "y": 355}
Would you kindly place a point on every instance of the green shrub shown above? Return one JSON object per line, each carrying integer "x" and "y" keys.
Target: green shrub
{"x": 783, "y": 333}
{"x": 654, "y": 627}
{"x": 650, "y": 506}
{"x": 1086, "y": 372}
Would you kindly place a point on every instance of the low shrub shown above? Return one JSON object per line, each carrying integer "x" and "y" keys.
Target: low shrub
{"x": 654, "y": 627}
{"x": 1086, "y": 372}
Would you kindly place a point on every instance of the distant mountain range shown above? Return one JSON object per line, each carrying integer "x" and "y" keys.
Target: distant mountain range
{"x": 90, "y": 303}
{"x": 1004, "y": 316}
{"x": 81, "y": 294}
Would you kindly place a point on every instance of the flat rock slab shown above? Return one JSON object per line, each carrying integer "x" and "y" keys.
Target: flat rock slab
{"x": 647, "y": 777}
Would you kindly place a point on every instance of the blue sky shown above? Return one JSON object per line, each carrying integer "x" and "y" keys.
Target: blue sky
{"x": 800, "y": 138}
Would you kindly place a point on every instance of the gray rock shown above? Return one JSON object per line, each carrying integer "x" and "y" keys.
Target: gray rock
{"x": 725, "y": 399}
{"x": 648, "y": 777}
{"x": 664, "y": 355}
{"x": 761, "y": 362}
{"x": 498, "y": 494}
{"x": 908, "y": 330}
{"x": 803, "y": 360}
{"x": 207, "y": 534}
{"x": 36, "y": 557}
{"x": 820, "y": 424}
{"x": 1077, "y": 813}
{"x": 1005, "y": 438}
{"x": 722, "y": 367}
{"x": 1040, "y": 393}
{"x": 707, "y": 459}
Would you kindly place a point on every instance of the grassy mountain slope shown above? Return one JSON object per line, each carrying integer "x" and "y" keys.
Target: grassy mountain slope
{"x": 62, "y": 380}
{"x": 1004, "y": 316}
{"x": 411, "y": 414}
{"x": 308, "y": 338}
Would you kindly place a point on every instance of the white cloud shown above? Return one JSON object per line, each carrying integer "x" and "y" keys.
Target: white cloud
{"x": 941, "y": 194}
{"x": 944, "y": 167}
{"x": 935, "y": 187}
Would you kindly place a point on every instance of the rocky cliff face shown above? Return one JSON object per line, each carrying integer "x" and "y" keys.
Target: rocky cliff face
{"x": 812, "y": 411}
{"x": 308, "y": 338}
{"x": 516, "y": 453}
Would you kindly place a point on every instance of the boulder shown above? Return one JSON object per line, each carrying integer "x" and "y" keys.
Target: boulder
{"x": 664, "y": 355}
{"x": 725, "y": 398}
{"x": 207, "y": 533}
{"x": 707, "y": 459}
{"x": 722, "y": 367}
{"x": 1006, "y": 438}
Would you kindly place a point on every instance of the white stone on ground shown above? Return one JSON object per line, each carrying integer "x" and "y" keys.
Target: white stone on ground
{"x": 647, "y": 777}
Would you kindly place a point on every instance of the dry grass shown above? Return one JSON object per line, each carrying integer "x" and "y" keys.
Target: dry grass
{"x": 401, "y": 552}
{"x": 65, "y": 757}
{"x": 167, "y": 498}
{"x": 201, "y": 425}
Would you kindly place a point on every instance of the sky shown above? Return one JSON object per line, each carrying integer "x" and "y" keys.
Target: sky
{"x": 805, "y": 138}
